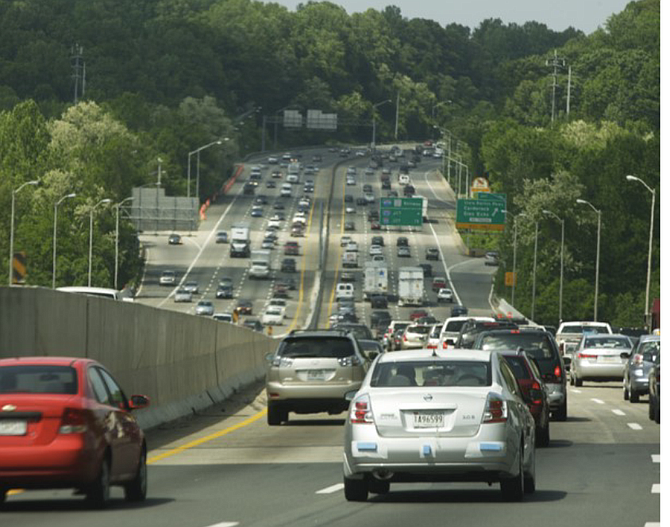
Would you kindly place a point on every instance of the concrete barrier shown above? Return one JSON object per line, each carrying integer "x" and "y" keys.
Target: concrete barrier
{"x": 182, "y": 362}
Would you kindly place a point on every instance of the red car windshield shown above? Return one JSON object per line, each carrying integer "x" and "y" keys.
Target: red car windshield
{"x": 38, "y": 379}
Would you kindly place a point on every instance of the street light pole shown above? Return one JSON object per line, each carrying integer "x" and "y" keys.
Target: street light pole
{"x": 116, "y": 243}
{"x": 647, "y": 311}
{"x": 11, "y": 229}
{"x": 595, "y": 300}
{"x": 197, "y": 151}
{"x": 90, "y": 237}
{"x": 53, "y": 268}
{"x": 532, "y": 308}
{"x": 197, "y": 175}
{"x": 560, "y": 290}
{"x": 374, "y": 122}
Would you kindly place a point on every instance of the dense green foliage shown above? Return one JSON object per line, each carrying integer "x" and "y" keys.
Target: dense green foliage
{"x": 164, "y": 77}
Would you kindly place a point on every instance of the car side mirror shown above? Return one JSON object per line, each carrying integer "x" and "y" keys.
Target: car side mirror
{"x": 625, "y": 355}
{"x": 567, "y": 360}
{"x": 349, "y": 396}
{"x": 371, "y": 355}
{"x": 268, "y": 357}
{"x": 138, "y": 402}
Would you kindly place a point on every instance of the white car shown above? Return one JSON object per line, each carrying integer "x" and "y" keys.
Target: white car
{"x": 379, "y": 258}
{"x": 168, "y": 278}
{"x": 344, "y": 291}
{"x": 445, "y": 295}
{"x": 351, "y": 181}
{"x": 351, "y": 246}
{"x": 205, "y": 308}
{"x": 183, "y": 295}
{"x": 274, "y": 223}
{"x": 430, "y": 415}
{"x": 350, "y": 209}
{"x": 223, "y": 317}
{"x": 375, "y": 249}
{"x": 345, "y": 240}
{"x": 281, "y": 302}
{"x": 273, "y": 316}
{"x": 434, "y": 336}
{"x": 192, "y": 286}
{"x": 369, "y": 197}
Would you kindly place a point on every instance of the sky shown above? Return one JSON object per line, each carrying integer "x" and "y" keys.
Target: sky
{"x": 585, "y": 15}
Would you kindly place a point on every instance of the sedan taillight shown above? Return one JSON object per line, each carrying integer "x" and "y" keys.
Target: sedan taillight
{"x": 586, "y": 356}
{"x": 536, "y": 393}
{"x": 495, "y": 410}
{"x": 73, "y": 422}
{"x": 361, "y": 413}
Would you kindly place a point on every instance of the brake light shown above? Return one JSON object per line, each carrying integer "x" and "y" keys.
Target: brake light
{"x": 404, "y": 337}
{"x": 536, "y": 393}
{"x": 638, "y": 358}
{"x": 495, "y": 410}
{"x": 445, "y": 345}
{"x": 585, "y": 356}
{"x": 361, "y": 413}
{"x": 73, "y": 422}
{"x": 352, "y": 360}
{"x": 557, "y": 372}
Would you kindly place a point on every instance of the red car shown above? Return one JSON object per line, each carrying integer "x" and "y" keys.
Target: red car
{"x": 529, "y": 378}
{"x": 291, "y": 248}
{"x": 375, "y": 226}
{"x": 66, "y": 423}
{"x": 417, "y": 314}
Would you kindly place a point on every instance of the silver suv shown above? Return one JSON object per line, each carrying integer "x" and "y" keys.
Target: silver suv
{"x": 311, "y": 372}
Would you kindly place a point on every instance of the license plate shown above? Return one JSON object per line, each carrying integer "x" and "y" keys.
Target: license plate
{"x": 428, "y": 419}
{"x": 13, "y": 428}
{"x": 609, "y": 360}
{"x": 316, "y": 375}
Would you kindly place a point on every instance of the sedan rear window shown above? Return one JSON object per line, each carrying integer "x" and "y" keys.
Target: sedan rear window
{"x": 608, "y": 342}
{"x": 454, "y": 325}
{"x": 437, "y": 373}
{"x": 38, "y": 379}
{"x": 316, "y": 347}
{"x": 421, "y": 330}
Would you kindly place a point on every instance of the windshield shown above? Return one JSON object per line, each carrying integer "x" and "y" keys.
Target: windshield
{"x": 38, "y": 379}
{"x": 331, "y": 347}
{"x": 578, "y": 330}
{"x": 536, "y": 345}
{"x": 608, "y": 342}
{"x": 435, "y": 373}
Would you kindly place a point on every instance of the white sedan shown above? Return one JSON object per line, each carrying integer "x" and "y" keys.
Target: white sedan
{"x": 428, "y": 415}
{"x": 375, "y": 249}
{"x": 273, "y": 316}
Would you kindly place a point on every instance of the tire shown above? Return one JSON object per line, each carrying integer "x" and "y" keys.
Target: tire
{"x": 572, "y": 379}
{"x": 561, "y": 414}
{"x": 626, "y": 393}
{"x": 136, "y": 490}
{"x": 657, "y": 413}
{"x": 529, "y": 479}
{"x": 651, "y": 408}
{"x": 98, "y": 493}
{"x": 578, "y": 382}
{"x": 355, "y": 489}
{"x": 378, "y": 487}
{"x": 634, "y": 396}
{"x": 3, "y": 495}
{"x": 513, "y": 488}
{"x": 276, "y": 415}
{"x": 542, "y": 436}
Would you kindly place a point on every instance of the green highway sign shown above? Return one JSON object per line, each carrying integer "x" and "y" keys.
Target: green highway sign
{"x": 481, "y": 214}
{"x": 500, "y": 198}
{"x": 401, "y": 211}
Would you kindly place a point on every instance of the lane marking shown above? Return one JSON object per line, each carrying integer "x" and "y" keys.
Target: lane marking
{"x": 598, "y": 401}
{"x": 210, "y": 437}
{"x": 656, "y": 458}
{"x": 652, "y": 524}
{"x": 333, "y": 488}
{"x": 634, "y": 426}
{"x": 225, "y": 524}
{"x": 656, "y": 488}
{"x": 618, "y": 412}
{"x": 576, "y": 391}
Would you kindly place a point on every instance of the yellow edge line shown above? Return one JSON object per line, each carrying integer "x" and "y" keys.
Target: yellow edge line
{"x": 302, "y": 270}
{"x": 339, "y": 257}
{"x": 215, "y": 435}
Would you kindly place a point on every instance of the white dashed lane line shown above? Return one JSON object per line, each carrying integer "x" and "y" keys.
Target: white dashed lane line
{"x": 333, "y": 488}
{"x": 576, "y": 391}
{"x": 656, "y": 458}
{"x": 618, "y": 412}
{"x": 225, "y": 524}
{"x": 598, "y": 401}
{"x": 634, "y": 426}
{"x": 656, "y": 488}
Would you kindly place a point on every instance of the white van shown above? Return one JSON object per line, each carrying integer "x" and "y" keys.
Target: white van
{"x": 344, "y": 291}
{"x": 403, "y": 179}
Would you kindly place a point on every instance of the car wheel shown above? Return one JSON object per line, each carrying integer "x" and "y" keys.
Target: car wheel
{"x": 542, "y": 436}
{"x": 513, "y": 488}
{"x": 634, "y": 396}
{"x": 276, "y": 415}
{"x": 578, "y": 381}
{"x": 562, "y": 413}
{"x": 98, "y": 493}
{"x": 136, "y": 490}
{"x": 626, "y": 395}
{"x": 529, "y": 478}
{"x": 657, "y": 413}
{"x": 651, "y": 408}
{"x": 355, "y": 489}
{"x": 378, "y": 487}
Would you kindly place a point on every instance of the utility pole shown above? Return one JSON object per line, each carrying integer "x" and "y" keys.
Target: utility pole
{"x": 79, "y": 67}
{"x": 397, "y": 113}
{"x": 567, "y": 103}
{"x": 555, "y": 62}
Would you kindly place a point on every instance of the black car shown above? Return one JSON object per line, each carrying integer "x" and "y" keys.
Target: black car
{"x": 288, "y": 265}
{"x": 348, "y": 198}
{"x": 427, "y": 270}
{"x": 474, "y": 327}
{"x": 245, "y": 307}
{"x": 539, "y": 345}
{"x": 349, "y": 226}
{"x": 432, "y": 254}
{"x": 459, "y": 310}
{"x": 402, "y": 241}
{"x": 360, "y": 331}
{"x": 252, "y": 323}
{"x": 409, "y": 190}
{"x": 378, "y": 302}
{"x": 373, "y": 215}
{"x": 174, "y": 239}
{"x": 224, "y": 291}
{"x": 377, "y": 240}
{"x": 361, "y": 201}
{"x": 380, "y": 319}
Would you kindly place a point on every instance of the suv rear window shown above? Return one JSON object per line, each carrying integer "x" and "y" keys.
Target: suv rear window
{"x": 38, "y": 379}
{"x": 454, "y": 325}
{"x": 536, "y": 345}
{"x": 437, "y": 373}
{"x": 322, "y": 347}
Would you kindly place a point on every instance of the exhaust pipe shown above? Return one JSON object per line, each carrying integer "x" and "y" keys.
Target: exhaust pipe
{"x": 382, "y": 475}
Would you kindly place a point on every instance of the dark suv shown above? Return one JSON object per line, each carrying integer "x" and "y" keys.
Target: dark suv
{"x": 471, "y": 328}
{"x": 541, "y": 346}
{"x": 311, "y": 372}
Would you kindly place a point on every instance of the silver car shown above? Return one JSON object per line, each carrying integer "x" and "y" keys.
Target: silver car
{"x": 183, "y": 295}
{"x": 311, "y": 372}
{"x": 205, "y": 308}
{"x": 598, "y": 358}
{"x": 415, "y": 336}
{"x": 433, "y": 416}
{"x": 638, "y": 365}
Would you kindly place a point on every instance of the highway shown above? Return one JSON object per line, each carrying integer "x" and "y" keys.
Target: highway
{"x": 226, "y": 467}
